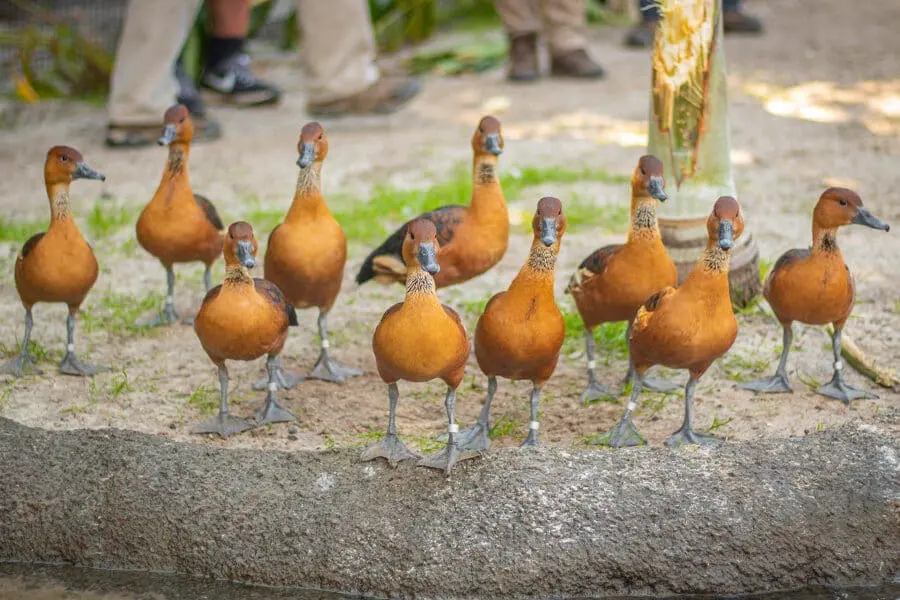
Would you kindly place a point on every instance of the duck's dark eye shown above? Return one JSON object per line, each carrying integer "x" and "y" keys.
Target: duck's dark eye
{"x": 480, "y": 129}
{"x": 643, "y": 172}
{"x": 842, "y": 202}
{"x": 64, "y": 158}
{"x": 320, "y": 136}
{"x": 411, "y": 236}
{"x": 182, "y": 120}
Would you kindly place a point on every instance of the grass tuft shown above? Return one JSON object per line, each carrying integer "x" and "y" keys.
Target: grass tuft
{"x": 106, "y": 218}
{"x": 205, "y": 399}
{"x": 19, "y": 231}
{"x": 116, "y": 313}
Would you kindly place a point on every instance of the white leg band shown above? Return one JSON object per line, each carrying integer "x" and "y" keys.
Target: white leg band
{"x": 631, "y": 406}
{"x": 453, "y": 428}
{"x": 592, "y": 364}
{"x": 70, "y": 347}
{"x": 273, "y": 386}
{"x": 325, "y": 344}
{"x": 838, "y": 366}
{"x": 170, "y": 300}
{"x": 534, "y": 425}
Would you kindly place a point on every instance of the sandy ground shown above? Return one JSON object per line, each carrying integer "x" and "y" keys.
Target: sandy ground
{"x": 810, "y": 106}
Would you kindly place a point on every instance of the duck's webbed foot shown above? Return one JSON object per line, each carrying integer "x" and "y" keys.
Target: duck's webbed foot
{"x": 328, "y": 369}
{"x": 166, "y": 316}
{"x": 596, "y": 391}
{"x": 390, "y": 448}
{"x": 776, "y": 384}
{"x": 224, "y": 424}
{"x": 624, "y": 434}
{"x": 531, "y": 439}
{"x": 660, "y": 385}
{"x": 72, "y": 366}
{"x": 273, "y": 412}
{"x": 444, "y": 460}
{"x": 19, "y": 365}
{"x": 837, "y": 389}
{"x": 686, "y": 436}
{"x": 283, "y": 379}
{"x": 474, "y": 438}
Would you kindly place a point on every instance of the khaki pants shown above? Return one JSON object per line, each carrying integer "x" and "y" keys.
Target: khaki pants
{"x": 338, "y": 51}
{"x": 563, "y": 21}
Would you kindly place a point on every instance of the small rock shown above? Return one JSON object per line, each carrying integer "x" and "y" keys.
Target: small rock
{"x": 292, "y": 430}
{"x": 293, "y": 438}
{"x": 172, "y": 425}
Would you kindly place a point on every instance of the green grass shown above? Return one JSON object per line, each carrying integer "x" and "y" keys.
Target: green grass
{"x": 719, "y": 423}
{"x": 580, "y": 213}
{"x": 119, "y": 385}
{"x": 263, "y": 219}
{"x": 205, "y": 399}
{"x": 740, "y": 368}
{"x": 503, "y": 427}
{"x": 116, "y": 313}
{"x": 609, "y": 337}
{"x": 106, "y": 218}
{"x": 19, "y": 231}
{"x": 388, "y": 207}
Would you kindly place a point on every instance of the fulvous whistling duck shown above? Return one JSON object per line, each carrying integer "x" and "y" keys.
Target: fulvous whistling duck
{"x": 57, "y": 265}
{"x": 243, "y": 319}
{"x": 179, "y": 226}
{"x": 686, "y": 328}
{"x": 473, "y": 238}
{"x": 816, "y": 287}
{"x": 612, "y": 283}
{"x": 419, "y": 339}
{"x": 521, "y": 331}
{"x": 306, "y": 253}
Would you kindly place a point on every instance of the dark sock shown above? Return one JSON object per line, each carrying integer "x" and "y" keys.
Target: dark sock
{"x": 220, "y": 49}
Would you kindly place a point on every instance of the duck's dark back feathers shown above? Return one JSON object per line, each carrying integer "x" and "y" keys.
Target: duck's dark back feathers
{"x": 212, "y": 215}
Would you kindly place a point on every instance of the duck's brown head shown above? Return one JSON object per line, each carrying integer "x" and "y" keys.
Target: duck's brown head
{"x": 65, "y": 164}
{"x": 240, "y": 245}
{"x": 488, "y": 139}
{"x": 839, "y": 206}
{"x": 421, "y": 245}
{"x": 313, "y": 145}
{"x": 725, "y": 223}
{"x": 647, "y": 179}
{"x": 177, "y": 126}
{"x": 549, "y": 223}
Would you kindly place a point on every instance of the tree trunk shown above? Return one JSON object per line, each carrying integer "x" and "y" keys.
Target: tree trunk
{"x": 689, "y": 132}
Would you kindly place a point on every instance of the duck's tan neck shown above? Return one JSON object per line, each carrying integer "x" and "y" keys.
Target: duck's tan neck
{"x": 538, "y": 272}
{"x": 487, "y": 195}
{"x": 715, "y": 261}
{"x": 58, "y": 193}
{"x": 308, "y": 194}
{"x": 419, "y": 284}
{"x": 644, "y": 225}
{"x": 236, "y": 274}
{"x": 825, "y": 240}
{"x": 177, "y": 164}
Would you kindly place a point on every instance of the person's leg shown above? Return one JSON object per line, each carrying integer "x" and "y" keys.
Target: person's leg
{"x": 521, "y": 19}
{"x": 564, "y": 22}
{"x": 339, "y": 53}
{"x": 735, "y": 20}
{"x": 143, "y": 83}
{"x": 227, "y": 72}
{"x": 641, "y": 35}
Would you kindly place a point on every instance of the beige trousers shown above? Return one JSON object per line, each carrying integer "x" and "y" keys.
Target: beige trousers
{"x": 338, "y": 52}
{"x": 563, "y": 21}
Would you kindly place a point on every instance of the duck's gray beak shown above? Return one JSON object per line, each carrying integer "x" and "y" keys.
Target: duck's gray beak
{"x": 307, "y": 155}
{"x": 656, "y": 188}
{"x": 548, "y": 232}
{"x": 168, "y": 135}
{"x": 492, "y": 144}
{"x": 726, "y": 235}
{"x": 428, "y": 257}
{"x": 82, "y": 171}
{"x": 864, "y": 217}
{"x": 245, "y": 254}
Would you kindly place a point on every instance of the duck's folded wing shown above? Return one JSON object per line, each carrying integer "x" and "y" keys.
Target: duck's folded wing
{"x": 212, "y": 215}
{"x": 271, "y": 291}
{"x": 592, "y": 266}
{"x": 31, "y": 244}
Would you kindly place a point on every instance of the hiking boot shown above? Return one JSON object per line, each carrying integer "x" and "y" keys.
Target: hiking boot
{"x": 734, "y": 21}
{"x": 232, "y": 82}
{"x": 387, "y": 95}
{"x": 523, "y": 57}
{"x": 137, "y": 136}
{"x": 642, "y": 35}
{"x": 576, "y": 63}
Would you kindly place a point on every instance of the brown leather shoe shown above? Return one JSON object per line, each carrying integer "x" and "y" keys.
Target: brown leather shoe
{"x": 577, "y": 63}
{"x": 523, "y": 57}
{"x": 385, "y": 96}
{"x": 642, "y": 35}
{"x": 734, "y": 21}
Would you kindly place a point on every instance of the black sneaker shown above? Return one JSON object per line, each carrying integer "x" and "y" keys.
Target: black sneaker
{"x": 234, "y": 83}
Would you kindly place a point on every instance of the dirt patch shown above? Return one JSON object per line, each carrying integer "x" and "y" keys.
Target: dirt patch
{"x": 786, "y": 152}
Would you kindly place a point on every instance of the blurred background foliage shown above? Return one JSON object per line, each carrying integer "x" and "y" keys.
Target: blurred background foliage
{"x": 66, "y": 48}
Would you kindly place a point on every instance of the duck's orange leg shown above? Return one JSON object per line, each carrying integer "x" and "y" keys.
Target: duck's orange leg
{"x": 328, "y": 369}
{"x": 16, "y": 366}
{"x": 687, "y": 435}
{"x": 836, "y": 388}
{"x": 390, "y": 447}
{"x": 625, "y": 433}
{"x": 272, "y": 412}
{"x": 476, "y": 438}
{"x": 70, "y": 365}
{"x": 445, "y": 459}
{"x": 224, "y": 423}
{"x": 777, "y": 383}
